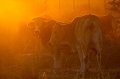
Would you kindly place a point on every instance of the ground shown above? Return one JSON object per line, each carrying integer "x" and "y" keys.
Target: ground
{"x": 21, "y": 60}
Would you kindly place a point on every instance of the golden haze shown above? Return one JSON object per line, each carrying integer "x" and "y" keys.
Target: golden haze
{"x": 12, "y": 12}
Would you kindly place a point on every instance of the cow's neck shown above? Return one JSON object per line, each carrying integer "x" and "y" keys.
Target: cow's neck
{"x": 45, "y": 34}
{"x": 69, "y": 36}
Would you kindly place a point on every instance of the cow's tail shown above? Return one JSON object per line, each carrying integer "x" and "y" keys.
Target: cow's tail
{"x": 86, "y": 25}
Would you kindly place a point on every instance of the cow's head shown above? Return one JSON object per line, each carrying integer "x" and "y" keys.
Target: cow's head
{"x": 58, "y": 34}
{"x": 31, "y": 25}
{"x": 38, "y": 23}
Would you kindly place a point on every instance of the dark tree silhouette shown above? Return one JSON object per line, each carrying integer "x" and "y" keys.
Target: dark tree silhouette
{"x": 114, "y": 6}
{"x": 73, "y": 5}
{"x": 89, "y": 6}
{"x": 105, "y": 6}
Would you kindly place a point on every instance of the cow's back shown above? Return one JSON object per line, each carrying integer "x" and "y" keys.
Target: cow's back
{"x": 109, "y": 24}
{"x": 87, "y": 27}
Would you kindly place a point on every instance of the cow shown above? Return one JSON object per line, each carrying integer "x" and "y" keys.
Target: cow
{"x": 109, "y": 25}
{"x": 118, "y": 35}
{"x": 43, "y": 30}
{"x": 83, "y": 34}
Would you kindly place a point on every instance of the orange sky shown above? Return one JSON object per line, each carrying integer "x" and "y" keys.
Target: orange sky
{"x": 13, "y": 12}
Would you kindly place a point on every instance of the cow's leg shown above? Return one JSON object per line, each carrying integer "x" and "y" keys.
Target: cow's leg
{"x": 98, "y": 55}
{"x": 56, "y": 61}
{"x": 82, "y": 49}
{"x": 82, "y": 68}
{"x": 56, "y": 57}
{"x": 85, "y": 50}
{"x": 87, "y": 59}
{"x": 97, "y": 41}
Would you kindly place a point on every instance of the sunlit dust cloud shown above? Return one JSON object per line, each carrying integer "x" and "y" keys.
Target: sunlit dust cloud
{"x": 12, "y": 12}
